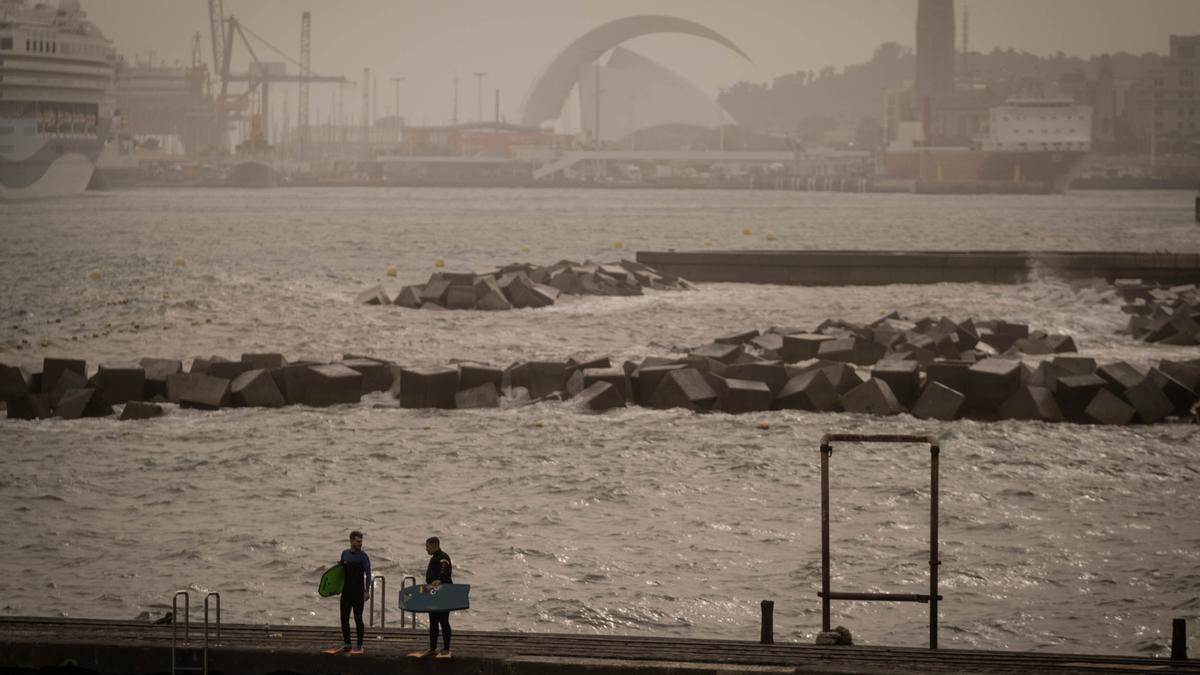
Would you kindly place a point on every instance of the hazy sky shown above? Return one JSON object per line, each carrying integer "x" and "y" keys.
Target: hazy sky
{"x": 513, "y": 40}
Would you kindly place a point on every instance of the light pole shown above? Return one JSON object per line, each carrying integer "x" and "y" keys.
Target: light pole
{"x": 398, "y": 80}
{"x": 479, "y": 96}
{"x": 596, "y": 122}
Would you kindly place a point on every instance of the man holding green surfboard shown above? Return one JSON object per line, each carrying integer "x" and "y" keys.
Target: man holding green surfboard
{"x": 355, "y": 590}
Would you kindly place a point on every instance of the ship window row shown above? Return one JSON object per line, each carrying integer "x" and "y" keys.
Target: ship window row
{"x": 54, "y": 118}
{"x": 52, "y": 47}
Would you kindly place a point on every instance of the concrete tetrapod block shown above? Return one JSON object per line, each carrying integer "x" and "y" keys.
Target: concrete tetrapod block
{"x": 471, "y": 375}
{"x": 493, "y": 301}
{"x": 991, "y": 382}
{"x": 1120, "y": 376}
{"x": 802, "y": 346}
{"x": 140, "y": 410}
{"x": 1075, "y": 392}
{"x": 872, "y": 397}
{"x": 481, "y": 396}
{"x": 76, "y": 403}
{"x": 1031, "y": 403}
{"x": 725, "y": 353}
{"x": 373, "y": 296}
{"x": 769, "y": 343}
{"x": 435, "y": 291}
{"x": 852, "y": 349}
{"x": 410, "y": 297}
{"x": 292, "y": 381}
{"x": 737, "y": 338}
{"x": 745, "y": 396}
{"x": 332, "y": 384}
{"x": 377, "y": 376}
{"x": 1073, "y": 365}
{"x": 773, "y": 374}
{"x": 119, "y": 383}
{"x": 544, "y": 378}
{"x": 460, "y": 297}
{"x": 903, "y": 377}
{"x": 614, "y": 376}
{"x": 950, "y": 373}
{"x": 29, "y": 407}
{"x": 53, "y": 368}
{"x": 266, "y": 361}
{"x": 684, "y": 388}
{"x": 842, "y": 376}
{"x": 14, "y": 382}
{"x": 939, "y": 402}
{"x": 228, "y": 370}
{"x": 1182, "y": 397}
{"x": 1186, "y": 373}
{"x": 67, "y": 379}
{"x": 157, "y": 371}
{"x": 1106, "y": 408}
{"x": 428, "y": 387}
{"x": 810, "y": 391}
{"x": 1151, "y": 404}
{"x": 255, "y": 389}
{"x": 646, "y": 379}
{"x": 199, "y": 391}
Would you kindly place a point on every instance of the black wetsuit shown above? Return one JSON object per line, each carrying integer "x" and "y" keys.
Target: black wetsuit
{"x": 440, "y": 569}
{"x": 358, "y": 580}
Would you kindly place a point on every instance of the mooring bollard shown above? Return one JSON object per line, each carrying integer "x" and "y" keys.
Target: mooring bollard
{"x": 1179, "y": 638}
{"x": 768, "y": 622}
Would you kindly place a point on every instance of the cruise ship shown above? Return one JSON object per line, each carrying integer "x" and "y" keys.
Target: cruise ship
{"x": 56, "y": 98}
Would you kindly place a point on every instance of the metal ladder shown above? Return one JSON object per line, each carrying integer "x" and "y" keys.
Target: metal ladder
{"x": 186, "y": 658}
{"x": 382, "y": 583}
{"x": 826, "y": 594}
{"x": 404, "y": 583}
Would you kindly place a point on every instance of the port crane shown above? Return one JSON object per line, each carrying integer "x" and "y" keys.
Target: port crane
{"x": 225, "y": 30}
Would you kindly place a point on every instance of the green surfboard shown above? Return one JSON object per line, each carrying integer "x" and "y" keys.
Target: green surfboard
{"x": 332, "y": 581}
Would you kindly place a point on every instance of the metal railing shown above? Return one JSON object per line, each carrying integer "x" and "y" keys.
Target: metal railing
{"x": 828, "y": 595}
{"x": 382, "y": 583}
{"x": 187, "y": 621}
{"x": 211, "y": 596}
{"x": 404, "y": 583}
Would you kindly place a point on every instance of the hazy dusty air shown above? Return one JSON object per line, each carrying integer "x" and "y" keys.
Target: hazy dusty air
{"x": 512, "y": 41}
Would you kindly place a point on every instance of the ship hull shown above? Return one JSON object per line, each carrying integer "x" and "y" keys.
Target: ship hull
{"x": 55, "y": 168}
{"x": 951, "y": 169}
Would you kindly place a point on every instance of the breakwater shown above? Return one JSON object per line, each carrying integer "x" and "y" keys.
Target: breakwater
{"x": 872, "y": 268}
{"x": 932, "y": 368}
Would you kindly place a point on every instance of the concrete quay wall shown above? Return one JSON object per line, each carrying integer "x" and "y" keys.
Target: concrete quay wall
{"x": 875, "y": 268}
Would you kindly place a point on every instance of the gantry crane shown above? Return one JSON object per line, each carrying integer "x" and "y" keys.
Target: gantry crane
{"x": 259, "y": 77}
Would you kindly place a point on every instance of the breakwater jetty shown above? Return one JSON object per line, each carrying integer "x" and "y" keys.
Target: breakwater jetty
{"x": 94, "y": 646}
{"x": 875, "y": 268}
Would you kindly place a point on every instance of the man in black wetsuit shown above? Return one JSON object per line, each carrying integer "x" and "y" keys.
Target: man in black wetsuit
{"x": 355, "y": 591}
{"x": 440, "y": 571}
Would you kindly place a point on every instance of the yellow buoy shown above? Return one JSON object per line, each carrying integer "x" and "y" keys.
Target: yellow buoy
{"x": 439, "y": 263}
{"x": 524, "y": 249}
{"x": 391, "y": 270}
{"x": 708, "y": 242}
{"x": 747, "y": 231}
{"x": 94, "y": 275}
{"x": 618, "y": 244}
{"x": 180, "y": 262}
{"x": 770, "y": 236}
{"x": 764, "y": 425}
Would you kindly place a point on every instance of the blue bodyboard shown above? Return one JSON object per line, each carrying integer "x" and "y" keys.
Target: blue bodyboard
{"x": 443, "y": 598}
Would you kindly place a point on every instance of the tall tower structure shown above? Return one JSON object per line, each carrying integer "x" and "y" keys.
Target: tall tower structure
{"x": 935, "y": 51}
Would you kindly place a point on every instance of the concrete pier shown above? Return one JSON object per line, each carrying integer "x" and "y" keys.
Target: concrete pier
{"x": 34, "y": 644}
{"x": 872, "y": 268}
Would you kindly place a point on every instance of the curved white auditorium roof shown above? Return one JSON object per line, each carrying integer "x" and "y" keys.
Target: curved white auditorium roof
{"x": 549, "y": 92}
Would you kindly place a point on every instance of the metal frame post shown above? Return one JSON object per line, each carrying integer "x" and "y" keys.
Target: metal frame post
{"x": 826, "y": 451}
{"x": 404, "y": 583}
{"x": 382, "y": 581}
{"x": 826, "y": 594}
{"x": 217, "y": 597}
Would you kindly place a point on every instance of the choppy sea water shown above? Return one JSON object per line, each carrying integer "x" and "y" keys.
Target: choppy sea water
{"x": 1055, "y": 537}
